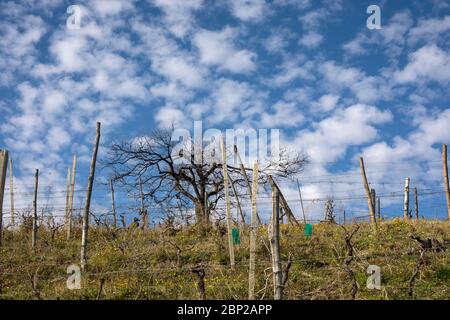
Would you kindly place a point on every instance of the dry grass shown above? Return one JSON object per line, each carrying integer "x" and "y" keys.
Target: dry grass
{"x": 157, "y": 264}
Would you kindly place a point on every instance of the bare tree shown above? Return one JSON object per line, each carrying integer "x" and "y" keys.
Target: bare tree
{"x": 190, "y": 175}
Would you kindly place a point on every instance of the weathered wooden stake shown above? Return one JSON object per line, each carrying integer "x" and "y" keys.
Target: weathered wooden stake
{"x": 3, "y": 166}
{"x": 253, "y": 230}
{"x": 374, "y": 197}
{"x": 446, "y": 183}
{"x": 35, "y": 216}
{"x": 378, "y": 209}
{"x": 227, "y": 200}
{"x": 283, "y": 203}
{"x": 274, "y": 237}
{"x": 406, "y": 200}
{"x": 247, "y": 180}
{"x": 72, "y": 191}
{"x": 301, "y": 201}
{"x": 113, "y": 202}
{"x": 416, "y": 204}
{"x": 11, "y": 193}
{"x": 369, "y": 197}
{"x": 238, "y": 202}
{"x": 66, "y": 212}
{"x": 87, "y": 208}
{"x": 143, "y": 210}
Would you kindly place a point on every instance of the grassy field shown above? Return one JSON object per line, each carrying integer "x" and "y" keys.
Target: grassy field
{"x": 157, "y": 264}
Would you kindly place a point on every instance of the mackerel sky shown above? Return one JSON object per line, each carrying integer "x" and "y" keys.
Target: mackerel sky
{"x": 312, "y": 69}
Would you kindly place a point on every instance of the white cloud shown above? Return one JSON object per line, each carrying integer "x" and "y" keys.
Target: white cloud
{"x": 18, "y": 45}
{"x": 290, "y": 70}
{"x": 327, "y": 102}
{"x": 427, "y": 63}
{"x": 178, "y": 69}
{"x": 367, "y": 89}
{"x": 248, "y": 10}
{"x": 170, "y": 115}
{"x": 111, "y": 7}
{"x": 218, "y": 48}
{"x": 178, "y": 14}
{"x": 347, "y": 127}
{"x": 286, "y": 114}
{"x": 429, "y": 29}
{"x": 392, "y": 37}
{"x": 311, "y": 40}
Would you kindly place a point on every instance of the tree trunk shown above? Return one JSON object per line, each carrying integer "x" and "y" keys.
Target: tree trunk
{"x": 201, "y": 216}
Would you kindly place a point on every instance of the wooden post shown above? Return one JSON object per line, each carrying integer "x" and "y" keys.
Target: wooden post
{"x": 369, "y": 197}
{"x": 247, "y": 180}
{"x": 35, "y": 216}
{"x": 238, "y": 202}
{"x": 345, "y": 221}
{"x": 66, "y": 212}
{"x": 11, "y": 193}
{"x": 84, "y": 234}
{"x": 111, "y": 183}
{"x": 446, "y": 183}
{"x": 378, "y": 209}
{"x": 72, "y": 191}
{"x": 416, "y": 204}
{"x": 301, "y": 201}
{"x": 253, "y": 230}
{"x": 374, "y": 197}
{"x": 283, "y": 202}
{"x": 143, "y": 210}
{"x": 274, "y": 234}
{"x": 3, "y": 166}
{"x": 406, "y": 200}
{"x": 227, "y": 200}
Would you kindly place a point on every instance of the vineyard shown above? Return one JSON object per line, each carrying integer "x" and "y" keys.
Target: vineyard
{"x": 185, "y": 254}
{"x": 166, "y": 263}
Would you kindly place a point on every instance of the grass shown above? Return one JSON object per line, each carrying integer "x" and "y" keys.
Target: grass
{"x": 156, "y": 264}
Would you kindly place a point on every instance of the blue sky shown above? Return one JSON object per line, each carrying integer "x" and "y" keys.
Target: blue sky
{"x": 311, "y": 68}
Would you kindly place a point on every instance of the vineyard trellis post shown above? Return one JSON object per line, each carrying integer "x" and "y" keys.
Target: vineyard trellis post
{"x": 72, "y": 191}
{"x": 247, "y": 180}
{"x": 3, "y": 166}
{"x": 85, "y": 230}
{"x": 379, "y": 209}
{"x": 35, "y": 216}
{"x": 227, "y": 200}
{"x": 283, "y": 203}
{"x": 274, "y": 237}
{"x": 113, "y": 203}
{"x": 446, "y": 183}
{"x": 406, "y": 200}
{"x": 253, "y": 231}
{"x": 374, "y": 197}
{"x": 301, "y": 202}
{"x": 416, "y": 204}
{"x": 11, "y": 193}
{"x": 66, "y": 212}
{"x": 238, "y": 202}
{"x": 368, "y": 194}
{"x": 143, "y": 209}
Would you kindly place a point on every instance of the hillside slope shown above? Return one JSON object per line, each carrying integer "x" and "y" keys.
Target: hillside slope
{"x": 132, "y": 264}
